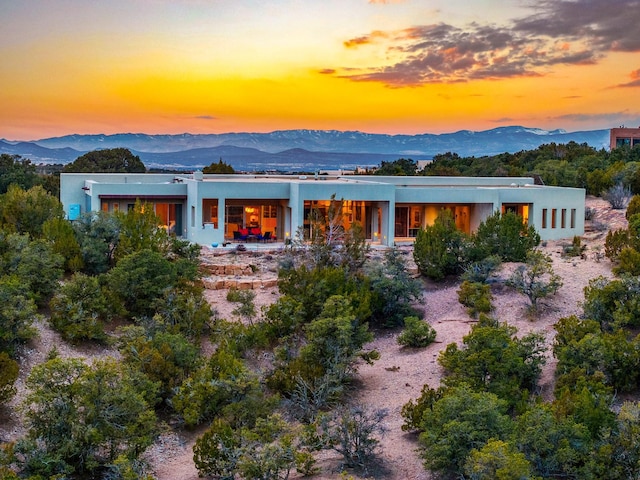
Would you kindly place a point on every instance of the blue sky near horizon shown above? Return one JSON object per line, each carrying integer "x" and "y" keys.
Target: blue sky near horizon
{"x": 394, "y": 66}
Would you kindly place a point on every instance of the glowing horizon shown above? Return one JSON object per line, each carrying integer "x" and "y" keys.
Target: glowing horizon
{"x": 377, "y": 66}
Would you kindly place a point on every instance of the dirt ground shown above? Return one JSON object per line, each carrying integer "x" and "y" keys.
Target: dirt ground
{"x": 400, "y": 373}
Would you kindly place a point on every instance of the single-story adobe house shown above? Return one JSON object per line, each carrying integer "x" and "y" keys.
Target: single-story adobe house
{"x": 208, "y": 209}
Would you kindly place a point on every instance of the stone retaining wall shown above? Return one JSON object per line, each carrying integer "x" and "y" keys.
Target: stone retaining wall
{"x": 229, "y": 269}
{"x": 239, "y": 283}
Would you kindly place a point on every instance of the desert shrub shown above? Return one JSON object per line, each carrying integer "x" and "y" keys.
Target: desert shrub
{"x": 223, "y": 380}
{"x": 124, "y": 468}
{"x": 581, "y": 346}
{"x": 589, "y": 213}
{"x": 613, "y": 303}
{"x": 217, "y": 451}
{"x": 282, "y": 318}
{"x": 97, "y": 234}
{"x": 166, "y": 358}
{"x": 557, "y": 446}
{"x": 9, "y": 370}
{"x": 476, "y": 297}
{"x": 633, "y": 207}
{"x": 587, "y": 400}
{"x": 393, "y": 290}
{"x": 417, "y": 333}
{"x": 628, "y": 262}
{"x": 335, "y": 339}
{"x": 139, "y": 231}
{"x": 621, "y": 454}
{"x": 246, "y": 308}
{"x": 439, "y": 249}
{"x": 352, "y": 432}
{"x": 310, "y": 397}
{"x": 60, "y": 232}
{"x": 598, "y": 181}
{"x": 269, "y": 451}
{"x": 576, "y": 249}
{"x": 494, "y": 359}
{"x": 79, "y": 309}
{"x": 412, "y": 412}
{"x": 536, "y": 279}
{"x": 183, "y": 309}
{"x": 34, "y": 263}
{"x": 17, "y": 313}
{"x": 505, "y": 235}
{"x": 81, "y": 418}
{"x": 26, "y": 211}
{"x": 333, "y": 343}
{"x": 140, "y": 279}
{"x": 497, "y": 459}
{"x": 312, "y": 287}
{"x": 618, "y": 196}
{"x": 615, "y": 242}
{"x": 481, "y": 271}
{"x": 461, "y": 420}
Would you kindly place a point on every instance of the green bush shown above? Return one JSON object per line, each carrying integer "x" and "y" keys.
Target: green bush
{"x": 576, "y": 249}
{"x": 79, "y": 309}
{"x": 461, "y": 420}
{"x": 269, "y": 451}
{"x": 393, "y": 290}
{"x": 556, "y": 445}
{"x": 633, "y": 207}
{"x": 497, "y": 460}
{"x": 494, "y": 359}
{"x": 505, "y": 235}
{"x": 613, "y": 303}
{"x": 417, "y": 333}
{"x": 412, "y": 412}
{"x": 476, "y": 297}
{"x": 61, "y": 233}
{"x": 81, "y": 418}
{"x": 246, "y": 308}
{"x": 536, "y": 279}
{"x": 615, "y": 242}
{"x": 183, "y": 309}
{"x": 481, "y": 271}
{"x": 9, "y": 370}
{"x": 628, "y": 262}
{"x": 17, "y": 313}
{"x": 223, "y": 380}
{"x": 439, "y": 249}
{"x": 139, "y": 279}
{"x": 166, "y": 358}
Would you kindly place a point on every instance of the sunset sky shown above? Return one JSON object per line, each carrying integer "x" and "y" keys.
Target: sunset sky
{"x": 394, "y": 66}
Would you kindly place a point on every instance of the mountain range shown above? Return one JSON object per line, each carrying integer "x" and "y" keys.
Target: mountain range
{"x": 297, "y": 150}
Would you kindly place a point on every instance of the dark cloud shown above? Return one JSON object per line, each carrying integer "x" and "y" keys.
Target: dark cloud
{"x": 603, "y": 24}
{"x": 568, "y": 32}
{"x": 327, "y": 71}
{"x": 206, "y": 117}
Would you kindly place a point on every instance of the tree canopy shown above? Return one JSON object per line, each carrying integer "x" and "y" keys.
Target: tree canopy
{"x": 110, "y": 160}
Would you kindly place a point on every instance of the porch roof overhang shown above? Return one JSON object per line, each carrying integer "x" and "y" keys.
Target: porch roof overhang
{"x": 141, "y": 197}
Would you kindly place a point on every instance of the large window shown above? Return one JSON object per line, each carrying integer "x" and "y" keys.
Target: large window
{"x": 210, "y": 212}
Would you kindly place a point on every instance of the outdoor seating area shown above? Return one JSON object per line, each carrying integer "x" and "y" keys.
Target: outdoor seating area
{"x": 252, "y": 234}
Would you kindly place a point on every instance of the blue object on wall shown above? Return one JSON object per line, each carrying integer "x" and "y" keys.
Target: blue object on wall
{"x": 74, "y": 211}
